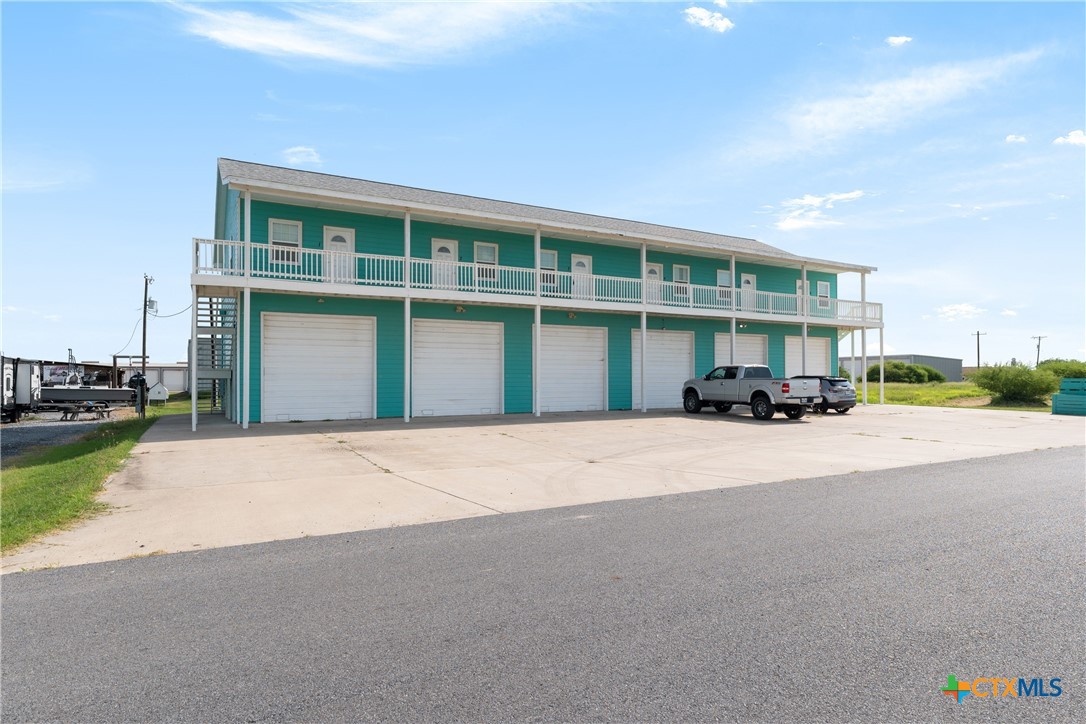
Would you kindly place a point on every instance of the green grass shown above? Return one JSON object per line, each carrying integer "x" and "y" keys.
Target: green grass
{"x": 47, "y": 489}
{"x": 945, "y": 394}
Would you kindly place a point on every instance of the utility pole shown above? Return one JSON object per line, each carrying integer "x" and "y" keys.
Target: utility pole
{"x": 978, "y": 334}
{"x": 1039, "y": 338}
{"x": 147, "y": 281}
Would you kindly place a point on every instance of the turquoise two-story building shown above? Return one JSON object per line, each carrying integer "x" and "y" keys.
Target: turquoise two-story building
{"x": 330, "y": 298}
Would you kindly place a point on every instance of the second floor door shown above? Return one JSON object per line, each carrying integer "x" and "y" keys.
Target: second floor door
{"x": 581, "y": 266}
{"x": 338, "y": 246}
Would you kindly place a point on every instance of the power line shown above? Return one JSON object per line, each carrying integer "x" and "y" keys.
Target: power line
{"x": 165, "y": 316}
{"x": 130, "y": 337}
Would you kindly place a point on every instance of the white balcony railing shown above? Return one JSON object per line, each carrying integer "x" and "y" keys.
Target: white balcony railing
{"x": 229, "y": 259}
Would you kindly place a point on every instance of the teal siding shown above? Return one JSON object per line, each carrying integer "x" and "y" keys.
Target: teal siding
{"x": 513, "y": 249}
{"x": 702, "y": 271}
{"x": 613, "y": 261}
{"x": 372, "y": 234}
{"x": 232, "y": 216}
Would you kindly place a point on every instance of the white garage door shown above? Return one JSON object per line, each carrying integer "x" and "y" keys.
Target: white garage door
{"x": 456, "y": 368}
{"x": 750, "y": 349}
{"x": 818, "y": 356}
{"x": 669, "y": 362}
{"x": 317, "y": 367}
{"x": 572, "y": 368}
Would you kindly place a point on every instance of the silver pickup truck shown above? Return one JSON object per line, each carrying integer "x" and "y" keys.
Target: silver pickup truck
{"x": 752, "y": 385}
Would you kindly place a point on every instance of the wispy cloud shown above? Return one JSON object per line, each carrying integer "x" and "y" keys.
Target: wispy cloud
{"x": 806, "y": 212}
{"x": 708, "y": 19}
{"x": 370, "y": 34}
{"x": 1009, "y": 313}
{"x": 955, "y": 312}
{"x": 47, "y": 316}
{"x": 822, "y": 124}
{"x": 302, "y": 156}
{"x": 1074, "y": 138}
{"x": 898, "y": 40}
{"x": 1012, "y": 138}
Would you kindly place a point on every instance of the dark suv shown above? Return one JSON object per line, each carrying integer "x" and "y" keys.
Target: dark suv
{"x": 837, "y": 393}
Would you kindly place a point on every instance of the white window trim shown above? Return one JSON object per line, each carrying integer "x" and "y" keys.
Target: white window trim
{"x": 486, "y": 270}
{"x": 724, "y": 289}
{"x": 283, "y": 254}
{"x": 682, "y": 286}
{"x": 548, "y": 274}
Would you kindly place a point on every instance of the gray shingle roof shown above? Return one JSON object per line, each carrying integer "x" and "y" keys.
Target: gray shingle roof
{"x": 245, "y": 173}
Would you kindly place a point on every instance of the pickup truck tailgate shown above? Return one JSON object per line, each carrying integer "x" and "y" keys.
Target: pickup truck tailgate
{"x": 796, "y": 392}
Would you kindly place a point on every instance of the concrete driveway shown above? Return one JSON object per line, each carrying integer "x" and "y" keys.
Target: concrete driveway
{"x": 226, "y": 486}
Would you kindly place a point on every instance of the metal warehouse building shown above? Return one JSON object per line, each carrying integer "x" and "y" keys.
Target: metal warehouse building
{"x": 949, "y": 366}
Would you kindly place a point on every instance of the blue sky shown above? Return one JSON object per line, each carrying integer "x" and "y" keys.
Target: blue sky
{"x": 942, "y": 143}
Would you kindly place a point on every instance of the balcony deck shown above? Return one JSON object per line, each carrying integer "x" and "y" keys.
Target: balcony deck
{"x": 222, "y": 264}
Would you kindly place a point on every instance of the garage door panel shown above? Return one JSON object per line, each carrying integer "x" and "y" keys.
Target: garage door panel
{"x": 669, "y": 361}
{"x": 750, "y": 349}
{"x": 818, "y": 356}
{"x": 317, "y": 367}
{"x": 572, "y": 368}
{"x": 456, "y": 368}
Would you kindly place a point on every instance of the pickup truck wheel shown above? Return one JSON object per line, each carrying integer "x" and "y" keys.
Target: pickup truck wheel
{"x": 691, "y": 403}
{"x": 795, "y": 412}
{"x": 761, "y": 409}
{"x": 722, "y": 407}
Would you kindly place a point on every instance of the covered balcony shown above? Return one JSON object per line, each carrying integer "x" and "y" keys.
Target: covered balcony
{"x": 237, "y": 265}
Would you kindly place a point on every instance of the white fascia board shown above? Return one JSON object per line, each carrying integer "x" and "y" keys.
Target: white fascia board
{"x": 531, "y": 224}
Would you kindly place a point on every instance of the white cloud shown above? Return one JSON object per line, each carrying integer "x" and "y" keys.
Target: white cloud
{"x": 819, "y": 125}
{"x": 369, "y": 34}
{"x": 708, "y": 19}
{"x": 301, "y": 156}
{"x": 806, "y": 212}
{"x": 1012, "y": 138}
{"x": 1009, "y": 313}
{"x": 898, "y": 40}
{"x": 954, "y": 312}
{"x": 1074, "y": 138}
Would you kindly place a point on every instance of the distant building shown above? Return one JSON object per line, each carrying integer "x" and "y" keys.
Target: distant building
{"x": 949, "y": 366}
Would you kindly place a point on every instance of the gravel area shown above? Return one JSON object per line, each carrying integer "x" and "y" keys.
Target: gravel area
{"x": 43, "y": 428}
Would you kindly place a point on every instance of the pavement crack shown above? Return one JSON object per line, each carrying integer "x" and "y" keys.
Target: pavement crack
{"x": 383, "y": 469}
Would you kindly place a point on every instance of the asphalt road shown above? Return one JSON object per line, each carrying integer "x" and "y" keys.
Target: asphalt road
{"x": 848, "y": 598}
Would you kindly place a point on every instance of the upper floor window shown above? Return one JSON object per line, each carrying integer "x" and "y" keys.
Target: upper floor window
{"x": 724, "y": 283}
{"x": 548, "y": 265}
{"x": 486, "y": 260}
{"x": 285, "y": 238}
{"x": 680, "y": 273}
{"x": 823, "y": 289}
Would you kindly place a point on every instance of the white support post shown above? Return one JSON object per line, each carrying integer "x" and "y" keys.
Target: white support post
{"x": 248, "y": 231}
{"x": 193, "y": 363}
{"x": 735, "y": 319}
{"x": 802, "y": 298}
{"x": 644, "y": 343}
{"x": 407, "y": 316}
{"x": 882, "y": 368}
{"x": 247, "y": 366}
{"x": 537, "y": 331}
{"x": 863, "y": 333}
{"x": 644, "y": 321}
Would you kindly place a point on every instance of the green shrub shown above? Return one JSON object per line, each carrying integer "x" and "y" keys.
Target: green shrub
{"x": 934, "y": 375}
{"x": 1017, "y": 382}
{"x": 843, "y": 372}
{"x": 900, "y": 372}
{"x": 1063, "y": 368}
